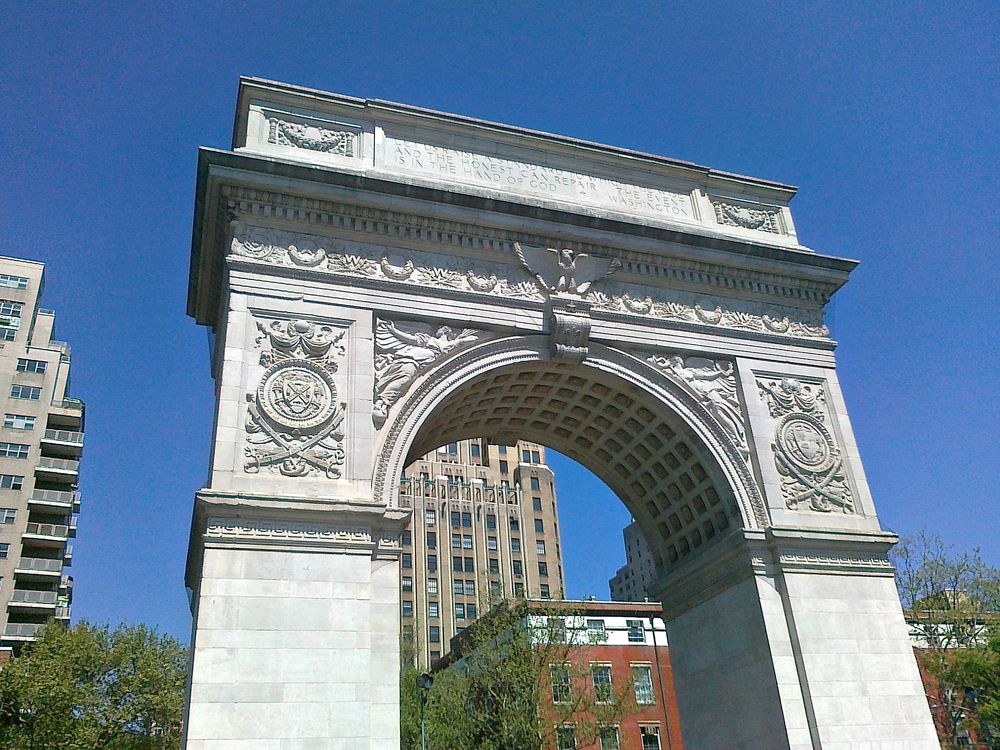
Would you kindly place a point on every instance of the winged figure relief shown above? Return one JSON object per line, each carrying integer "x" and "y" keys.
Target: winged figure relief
{"x": 563, "y": 270}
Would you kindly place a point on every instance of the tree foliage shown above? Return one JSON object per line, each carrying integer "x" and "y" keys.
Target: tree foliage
{"x": 499, "y": 696}
{"x": 94, "y": 687}
{"x": 952, "y": 602}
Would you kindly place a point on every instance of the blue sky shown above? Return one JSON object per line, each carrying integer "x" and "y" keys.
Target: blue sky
{"x": 885, "y": 115}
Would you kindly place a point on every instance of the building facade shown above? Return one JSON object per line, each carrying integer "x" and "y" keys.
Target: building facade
{"x": 632, "y": 580}
{"x": 41, "y": 442}
{"x": 611, "y": 646}
{"x": 485, "y": 527}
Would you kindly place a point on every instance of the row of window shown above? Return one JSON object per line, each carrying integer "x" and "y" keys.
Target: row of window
{"x": 649, "y": 735}
{"x": 14, "y": 450}
{"x": 13, "y": 282}
{"x": 560, "y": 679}
{"x": 11, "y": 482}
{"x": 30, "y": 365}
{"x": 26, "y": 392}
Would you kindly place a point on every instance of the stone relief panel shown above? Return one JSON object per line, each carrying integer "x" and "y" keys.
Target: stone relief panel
{"x": 387, "y": 263}
{"x": 811, "y": 465}
{"x": 760, "y": 218}
{"x": 403, "y": 351}
{"x": 712, "y": 383}
{"x": 285, "y": 129}
{"x": 294, "y": 422}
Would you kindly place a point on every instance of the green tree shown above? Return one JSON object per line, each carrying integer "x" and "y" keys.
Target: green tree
{"x": 93, "y": 687}
{"x": 952, "y": 601}
{"x": 516, "y": 685}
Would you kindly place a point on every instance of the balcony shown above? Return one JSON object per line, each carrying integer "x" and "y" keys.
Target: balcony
{"x": 54, "y": 500}
{"x": 21, "y": 631}
{"x": 47, "y": 534}
{"x": 58, "y": 469}
{"x": 67, "y": 414}
{"x": 68, "y": 556}
{"x": 39, "y": 567}
{"x": 62, "y": 612}
{"x": 33, "y": 600}
{"x": 63, "y": 443}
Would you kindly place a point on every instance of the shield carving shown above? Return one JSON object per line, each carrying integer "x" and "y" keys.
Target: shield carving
{"x": 299, "y": 394}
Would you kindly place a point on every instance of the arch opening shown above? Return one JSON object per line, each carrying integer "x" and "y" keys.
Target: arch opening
{"x": 652, "y": 456}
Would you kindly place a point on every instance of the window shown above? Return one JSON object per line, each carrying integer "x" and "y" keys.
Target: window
{"x": 496, "y": 589}
{"x": 539, "y": 547}
{"x": 474, "y": 450}
{"x": 526, "y": 456}
{"x": 407, "y": 560}
{"x": 432, "y": 563}
{"x": 515, "y": 544}
{"x": 434, "y": 634}
{"x": 491, "y": 521}
{"x": 518, "y": 570}
{"x": 4, "y": 549}
{"x": 470, "y": 588}
{"x": 470, "y": 565}
{"x": 14, "y": 450}
{"x": 543, "y": 591}
{"x": 596, "y": 632}
{"x": 433, "y": 610}
{"x": 452, "y": 449}
{"x": 562, "y": 688}
{"x": 536, "y": 457}
{"x": 7, "y": 515}
{"x": 456, "y": 564}
{"x": 407, "y": 583}
{"x": 565, "y": 738}
{"x": 650, "y": 737}
{"x": 515, "y": 525}
{"x": 9, "y": 307}
{"x": 504, "y": 467}
{"x": 601, "y": 674}
{"x": 19, "y": 421}
{"x": 27, "y": 392}
{"x": 518, "y": 589}
{"x": 457, "y": 586}
{"x": 11, "y": 482}
{"x": 539, "y": 526}
{"x": 466, "y": 520}
{"x": 30, "y": 365}
{"x": 466, "y": 541}
{"x": 456, "y": 519}
{"x": 432, "y": 585}
{"x": 494, "y": 566}
{"x": 642, "y": 678}
{"x": 430, "y": 517}
{"x": 407, "y": 540}
{"x": 432, "y": 540}
{"x": 13, "y": 282}
{"x": 470, "y": 611}
{"x": 456, "y": 541}
{"x": 459, "y": 611}
{"x": 502, "y": 450}
{"x": 7, "y": 334}
{"x": 636, "y": 633}
{"x": 534, "y": 484}
{"x": 491, "y": 543}
{"x": 610, "y": 739}
{"x": 407, "y": 608}
{"x": 543, "y": 569}
{"x": 536, "y": 504}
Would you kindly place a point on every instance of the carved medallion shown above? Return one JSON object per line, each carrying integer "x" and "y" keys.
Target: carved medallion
{"x": 297, "y": 396}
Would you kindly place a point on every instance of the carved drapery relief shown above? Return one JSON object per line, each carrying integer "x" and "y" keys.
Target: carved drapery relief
{"x": 713, "y": 384}
{"x": 387, "y": 263}
{"x": 805, "y": 452}
{"x": 402, "y": 351}
{"x": 295, "y": 419}
{"x": 311, "y": 137}
{"x": 736, "y": 215}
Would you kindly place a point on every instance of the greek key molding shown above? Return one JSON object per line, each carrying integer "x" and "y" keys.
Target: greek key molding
{"x": 830, "y": 563}
{"x": 294, "y": 421}
{"x": 806, "y": 453}
{"x": 259, "y": 529}
{"x": 397, "y": 265}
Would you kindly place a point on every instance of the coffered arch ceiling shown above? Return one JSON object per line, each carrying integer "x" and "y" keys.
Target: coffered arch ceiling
{"x": 648, "y": 453}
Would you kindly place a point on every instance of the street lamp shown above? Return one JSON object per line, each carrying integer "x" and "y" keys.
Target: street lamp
{"x": 424, "y": 683}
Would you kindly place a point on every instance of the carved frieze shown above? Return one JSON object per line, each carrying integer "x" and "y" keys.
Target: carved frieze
{"x": 732, "y": 214}
{"x": 805, "y": 451}
{"x": 712, "y": 383}
{"x": 311, "y": 137}
{"x": 403, "y": 351}
{"x": 295, "y": 418}
{"x": 385, "y": 263}
{"x": 260, "y": 529}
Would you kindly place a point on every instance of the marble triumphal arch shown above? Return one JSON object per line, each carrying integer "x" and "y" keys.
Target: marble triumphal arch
{"x": 380, "y": 279}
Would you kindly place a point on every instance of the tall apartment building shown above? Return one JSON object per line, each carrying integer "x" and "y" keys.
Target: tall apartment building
{"x": 41, "y": 441}
{"x": 633, "y": 579}
{"x": 485, "y": 527}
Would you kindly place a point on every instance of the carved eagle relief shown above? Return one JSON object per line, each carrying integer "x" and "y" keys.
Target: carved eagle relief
{"x": 563, "y": 270}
